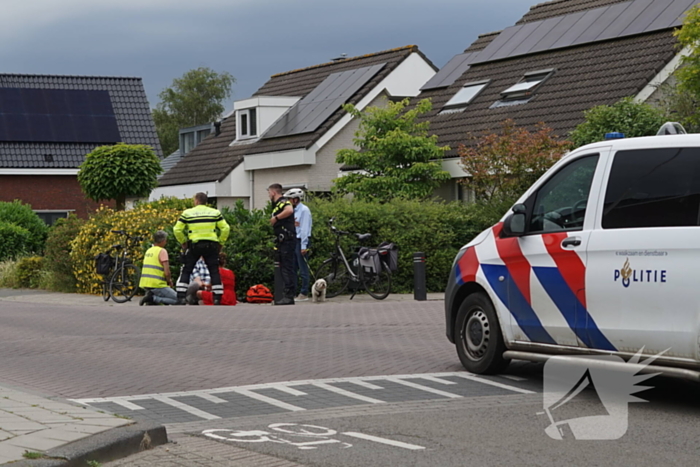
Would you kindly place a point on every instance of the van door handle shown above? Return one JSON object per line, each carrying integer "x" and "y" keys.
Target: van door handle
{"x": 571, "y": 241}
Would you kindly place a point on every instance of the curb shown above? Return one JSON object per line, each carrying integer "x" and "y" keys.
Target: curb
{"x": 107, "y": 446}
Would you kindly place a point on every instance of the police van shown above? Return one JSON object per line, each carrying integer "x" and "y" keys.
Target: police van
{"x": 600, "y": 256}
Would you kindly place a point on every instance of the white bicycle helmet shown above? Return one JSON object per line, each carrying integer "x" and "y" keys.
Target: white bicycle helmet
{"x": 294, "y": 193}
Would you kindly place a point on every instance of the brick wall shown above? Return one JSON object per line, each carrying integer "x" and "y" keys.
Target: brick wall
{"x": 48, "y": 192}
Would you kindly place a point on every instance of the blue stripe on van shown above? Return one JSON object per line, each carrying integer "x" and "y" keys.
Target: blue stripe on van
{"x": 575, "y": 314}
{"x": 519, "y": 308}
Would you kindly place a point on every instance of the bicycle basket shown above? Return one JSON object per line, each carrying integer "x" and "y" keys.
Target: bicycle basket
{"x": 389, "y": 253}
{"x": 103, "y": 264}
{"x": 369, "y": 260}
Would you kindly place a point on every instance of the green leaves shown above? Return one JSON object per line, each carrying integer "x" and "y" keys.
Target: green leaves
{"x": 626, "y": 116}
{"x": 396, "y": 157}
{"x": 115, "y": 172}
{"x": 194, "y": 99}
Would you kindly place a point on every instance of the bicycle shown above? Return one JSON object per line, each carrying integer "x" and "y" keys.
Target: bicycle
{"x": 341, "y": 272}
{"x": 105, "y": 262}
{"x": 125, "y": 280}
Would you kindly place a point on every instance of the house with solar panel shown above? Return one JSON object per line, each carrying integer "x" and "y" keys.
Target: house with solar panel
{"x": 289, "y": 131}
{"x": 49, "y": 123}
{"x": 562, "y": 58}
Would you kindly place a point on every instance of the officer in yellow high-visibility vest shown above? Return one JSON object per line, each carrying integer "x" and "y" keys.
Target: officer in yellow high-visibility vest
{"x": 155, "y": 275}
{"x": 196, "y": 231}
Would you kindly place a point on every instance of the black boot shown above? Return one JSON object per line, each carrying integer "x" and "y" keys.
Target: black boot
{"x": 147, "y": 299}
{"x": 217, "y": 300}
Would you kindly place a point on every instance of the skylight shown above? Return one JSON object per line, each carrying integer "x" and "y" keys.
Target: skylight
{"x": 464, "y": 96}
{"x": 524, "y": 88}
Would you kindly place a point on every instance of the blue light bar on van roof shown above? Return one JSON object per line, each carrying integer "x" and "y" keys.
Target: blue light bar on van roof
{"x": 614, "y": 135}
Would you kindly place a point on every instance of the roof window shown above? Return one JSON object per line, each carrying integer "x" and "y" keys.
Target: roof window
{"x": 526, "y": 86}
{"x": 464, "y": 96}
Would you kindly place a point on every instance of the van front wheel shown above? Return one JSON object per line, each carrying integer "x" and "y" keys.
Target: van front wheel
{"x": 480, "y": 343}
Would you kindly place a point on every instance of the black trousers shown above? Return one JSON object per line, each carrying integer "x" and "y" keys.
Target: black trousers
{"x": 209, "y": 251}
{"x": 287, "y": 257}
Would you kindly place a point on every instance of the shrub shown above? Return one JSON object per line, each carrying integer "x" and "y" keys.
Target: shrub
{"x": 250, "y": 247}
{"x": 28, "y": 272}
{"x": 8, "y": 274}
{"x": 437, "y": 229}
{"x": 14, "y": 241}
{"x": 58, "y": 262}
{"x": 23, "y": 216}
{"x": 96, "y": 237}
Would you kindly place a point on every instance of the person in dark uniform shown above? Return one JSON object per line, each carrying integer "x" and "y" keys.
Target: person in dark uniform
{"x": 196, "y": 230}
{"x": 282, "y": 221}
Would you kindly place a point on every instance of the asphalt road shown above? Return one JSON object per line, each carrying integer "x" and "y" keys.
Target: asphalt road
{"x": 340, "y": 384}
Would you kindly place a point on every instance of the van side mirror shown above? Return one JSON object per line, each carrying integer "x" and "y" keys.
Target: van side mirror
{"x": 514, "y": 224}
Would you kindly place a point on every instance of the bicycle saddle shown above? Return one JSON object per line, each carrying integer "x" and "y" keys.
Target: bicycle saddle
{"x": 363, "y": 237}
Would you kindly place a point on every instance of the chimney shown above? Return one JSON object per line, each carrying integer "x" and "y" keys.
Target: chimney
{"x": 217, "y": 128}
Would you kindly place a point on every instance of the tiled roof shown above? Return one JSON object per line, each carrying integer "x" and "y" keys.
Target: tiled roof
{"x": 131, "y": 109}
{"x": 213, "y": 159}
{"x": 169, "y": 162}
{"x": 585, "y": 76}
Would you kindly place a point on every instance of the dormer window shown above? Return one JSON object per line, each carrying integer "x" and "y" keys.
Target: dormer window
{"x": 248, "y": 123}
{"x": 464, "y": 96}
{"x": 527, "y": 85}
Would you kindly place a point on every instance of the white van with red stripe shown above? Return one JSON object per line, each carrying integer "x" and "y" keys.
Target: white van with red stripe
{"x": 599, "y": 256}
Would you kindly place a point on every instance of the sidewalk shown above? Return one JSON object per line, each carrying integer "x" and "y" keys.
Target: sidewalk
{"x": 54, "y": 298}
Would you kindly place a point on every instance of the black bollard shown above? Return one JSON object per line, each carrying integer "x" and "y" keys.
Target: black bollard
{"x": 279, "y": 283}
{"x": 419, "y": 290}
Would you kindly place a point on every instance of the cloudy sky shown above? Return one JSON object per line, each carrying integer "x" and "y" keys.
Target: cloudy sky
{"x": 159, "y": 40}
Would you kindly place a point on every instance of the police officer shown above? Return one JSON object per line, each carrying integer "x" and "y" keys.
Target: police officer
{"x": 196, "y": 231}
{"x": 282, "y": 221}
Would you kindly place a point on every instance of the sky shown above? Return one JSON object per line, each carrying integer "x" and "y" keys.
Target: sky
{"x": 159, "y": 40}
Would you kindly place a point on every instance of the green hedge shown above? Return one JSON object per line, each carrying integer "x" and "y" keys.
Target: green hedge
{"x": 22, "y": 215}
{"x": 14, "y": 241}
{"x": 57, "y": 253}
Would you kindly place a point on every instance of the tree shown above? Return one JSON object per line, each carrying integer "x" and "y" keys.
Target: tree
{"x": 626, "y": 116}
{"x": 395, "y": 157}
{"x": 115, "y": 172}
{"x": 502, "y": 166}
{"x": 685, "y": 100}
{"x": 194, "y": 99}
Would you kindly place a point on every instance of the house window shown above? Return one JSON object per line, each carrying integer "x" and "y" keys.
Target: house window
{"x": 248, "y": 123}
{"x": 463, "y": 97}
{"x": 201, "y": 134}
{"x": 50, "y": 217}
{"x": 526, "y": 86}
{"x": 187, "y": 142}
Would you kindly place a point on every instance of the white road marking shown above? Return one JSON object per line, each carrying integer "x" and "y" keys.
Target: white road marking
{"x": 435, "y": 379}
{"x": 269, "y": 400}
{"x": 390, "y": 442}
{"x": 424, "y": 388}
{"x": 209, "y": 397}
{"x": 345, "y": 393}
{"x": 471, "y": 377}
{"x": 365, "y": 384}
{"x": 288, "y": 390}
{"x": 124, "y": 403}
{"x": 514, "y": 378}
{"x": 186, "y": 408}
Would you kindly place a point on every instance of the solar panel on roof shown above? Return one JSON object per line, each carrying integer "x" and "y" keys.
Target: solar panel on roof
{"x": 609, "y": 22}
{"x": 451, "y": 71}
{"x": 57, "y": 116}
{"x": 309, "y": 113}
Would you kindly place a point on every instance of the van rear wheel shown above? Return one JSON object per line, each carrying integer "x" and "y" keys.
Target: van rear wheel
{"x": 479, "y": 341}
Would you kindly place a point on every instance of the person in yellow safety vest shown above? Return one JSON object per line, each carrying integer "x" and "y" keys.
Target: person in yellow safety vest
{"x": 196, "y": 231}
{"x": 155, "y": 275}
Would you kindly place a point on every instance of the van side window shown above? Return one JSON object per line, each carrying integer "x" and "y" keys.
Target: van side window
{"x": 560, "y": 204}
{"x": 653, "y": 188}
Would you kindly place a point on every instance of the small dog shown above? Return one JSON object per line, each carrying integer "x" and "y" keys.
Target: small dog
{"x": 318, "y": 291}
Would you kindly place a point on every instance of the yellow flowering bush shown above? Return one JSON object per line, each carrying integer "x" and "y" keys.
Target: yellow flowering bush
{"x": 96, "y": 237}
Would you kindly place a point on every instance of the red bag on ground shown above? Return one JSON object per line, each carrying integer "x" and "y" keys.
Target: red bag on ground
{"x": 259, "y": 294}
{"x": 228, "y": 280}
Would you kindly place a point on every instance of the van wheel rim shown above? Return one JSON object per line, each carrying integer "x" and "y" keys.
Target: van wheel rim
{"x": 476, "y": 335}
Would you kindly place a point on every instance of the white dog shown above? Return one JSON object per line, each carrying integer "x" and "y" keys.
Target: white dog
{"x": 318, "y": 291}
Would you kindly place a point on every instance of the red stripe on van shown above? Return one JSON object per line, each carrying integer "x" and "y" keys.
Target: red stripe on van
{"x": 569, "y": 264}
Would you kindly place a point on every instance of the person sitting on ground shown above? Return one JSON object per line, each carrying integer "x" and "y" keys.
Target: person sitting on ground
{"x": 228, "y": 279}
{"x": 155, "y": 275}
{"x": 200, "y": 279}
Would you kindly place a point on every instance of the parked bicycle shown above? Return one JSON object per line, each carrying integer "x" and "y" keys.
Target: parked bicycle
{"x": 341, "y": 272}
{"x": 121, "y": 279}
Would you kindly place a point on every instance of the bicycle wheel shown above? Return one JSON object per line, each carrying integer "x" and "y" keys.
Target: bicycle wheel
{"x": 124, "y": 283}
{"x": 378, "y": 285}
{"x": 105, "y": 290}
{"x": 336, "y": 276}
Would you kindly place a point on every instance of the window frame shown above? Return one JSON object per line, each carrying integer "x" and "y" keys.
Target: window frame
{"x": 251, "y": 125}
{"x": 451, "y": 107}
{"x": 527, "y": 92}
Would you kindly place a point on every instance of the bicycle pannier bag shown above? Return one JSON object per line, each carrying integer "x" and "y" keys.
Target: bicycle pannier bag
{"x": 259, "y": 294}
{"x": 103, "y": 264}
{"x": 369, "y": 260}
{"x": 389, "y": 253}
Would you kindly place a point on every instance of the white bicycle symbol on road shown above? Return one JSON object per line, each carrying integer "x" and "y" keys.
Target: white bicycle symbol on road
{"x": 312, "y": 436}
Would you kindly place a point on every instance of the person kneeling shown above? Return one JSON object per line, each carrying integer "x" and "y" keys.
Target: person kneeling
{"x": 155, "y": 275}
{"x": 228, "y": 280}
